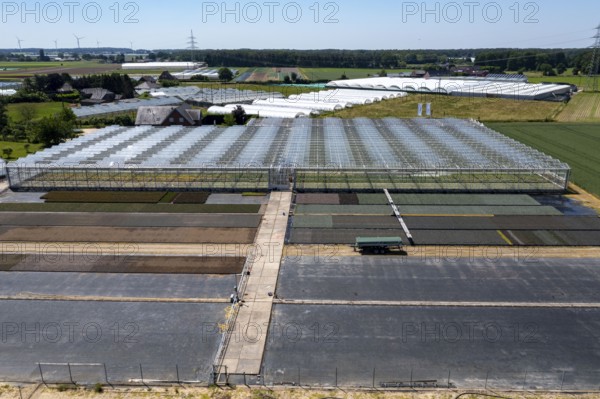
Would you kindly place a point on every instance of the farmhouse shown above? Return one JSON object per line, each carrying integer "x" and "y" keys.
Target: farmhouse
{"x": 182, "y": 115}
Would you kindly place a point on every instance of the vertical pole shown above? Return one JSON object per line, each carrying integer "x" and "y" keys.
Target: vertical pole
{"x": 411, "y": 378}
{"x": 20, "y": 393}
{"x": 486, "y": 379}
{"x": 106, "y": 374}
{"x": 299, "y": 381}
{"x": 245, "y": 382}
{"x": 336, "y": 377}
{"x": 449, "y": 371}
{"x": 374, "y": 370}
{"x": 525, "y": 380}
{"x": 70, "y": 374}
{"x": 562, "y": 382}
{"x": 42, "y": 374}
{"x": 177, "y": 371}
{"x": 142, "y": 373}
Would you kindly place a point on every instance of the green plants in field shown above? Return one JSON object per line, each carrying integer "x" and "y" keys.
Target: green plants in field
{"x": 573, "y": 143}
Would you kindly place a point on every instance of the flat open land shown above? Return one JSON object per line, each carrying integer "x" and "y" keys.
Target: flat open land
{"x": 583, "y": 107}
{"x": 125, "y": 263}
{"x": 575, "y": 144}
{"x": 374, "y": 320}
{"x": 483, "y": 109}
{"x": 160, "y": 336}
{"x": 129, "y": 220}
{"x": 116, "y": 285}
{"x": 19, "y": 70}
{"x": 127, "y": 208}
{"x": 446, "y": 219}
{"x": 128, "y": 235}
{"x": 351, "y": 73}
{"x": 268, "y": 74}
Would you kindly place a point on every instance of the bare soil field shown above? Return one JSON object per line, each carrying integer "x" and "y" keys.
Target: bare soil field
{"x": 130, "y": 264}
{"x": 191, "y": 198}
{"x": 127, "y": 235}
{"x": 318, "y": 199}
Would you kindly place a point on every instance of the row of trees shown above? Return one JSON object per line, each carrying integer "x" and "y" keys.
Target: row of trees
{"x": 500, "y": 59}
{"x": 50, "y": 84}
{"x": 42, "y": 88}
{"x": 49, "y": 130}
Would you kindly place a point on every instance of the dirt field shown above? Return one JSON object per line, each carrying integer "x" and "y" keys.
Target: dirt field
{"x": 313, "y": 199}
{"x": 131, "y": 264}
{"x": 127, "y": 235}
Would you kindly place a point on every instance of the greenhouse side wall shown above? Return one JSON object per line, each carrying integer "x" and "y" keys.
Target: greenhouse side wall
{"x": 47, "y": 178}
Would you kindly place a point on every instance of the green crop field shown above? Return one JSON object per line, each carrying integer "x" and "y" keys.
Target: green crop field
{"x": 583, "y": 107}
{"x": 484, "y": 109}
{"x": 580, "y": 81}
{"x": 16, "y": 112}
{"x": 315, "y": 74}
{"x": 575, "y": 144}
{"x": 269, "y": 88}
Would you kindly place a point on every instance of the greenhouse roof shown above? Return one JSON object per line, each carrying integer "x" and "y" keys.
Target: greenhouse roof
{"x": 301, "y": 143}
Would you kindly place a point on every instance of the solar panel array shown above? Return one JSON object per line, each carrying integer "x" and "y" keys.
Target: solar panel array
{"x": 304, "y": 143}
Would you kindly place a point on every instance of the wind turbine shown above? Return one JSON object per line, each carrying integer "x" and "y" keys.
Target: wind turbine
{"x": 78, "y": 40}
{"x": 97, "y": 44}
{"x": 56, "y": 44}
{"x": 20, "y": 41}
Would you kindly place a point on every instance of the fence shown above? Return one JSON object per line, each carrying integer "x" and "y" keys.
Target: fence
{"x": 347, "y": 376}
{"x": 108, "y": 374}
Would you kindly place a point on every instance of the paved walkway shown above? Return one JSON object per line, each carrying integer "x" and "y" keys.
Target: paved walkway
{"x": 246, "y": 348}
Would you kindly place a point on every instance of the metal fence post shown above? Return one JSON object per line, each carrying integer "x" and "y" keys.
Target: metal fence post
{"x": 449, "y": 371}
{"x": 142, "y": 374}
{"x": 487, "y": 375}
{"x": 299, "y": 381}
{"x": 177, "y": 372}
{"x": 562, "y": 382}
{"x": 42, "y": 374}
{"x": 106, "y": 374}
{"x": 374, "y": 370}
{"x": 336, "y": 377}
{"x": 70, "y": 374}
{"x": 525, "y": 380}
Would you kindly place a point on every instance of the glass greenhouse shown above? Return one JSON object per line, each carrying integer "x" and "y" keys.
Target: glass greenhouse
{"x": 305, "y": 154}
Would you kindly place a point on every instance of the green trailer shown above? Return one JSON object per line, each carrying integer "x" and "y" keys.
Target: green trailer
{"x": 378, "y": 245}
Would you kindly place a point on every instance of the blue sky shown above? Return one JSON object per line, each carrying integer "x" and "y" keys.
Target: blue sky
{"x": 376, "y": 24}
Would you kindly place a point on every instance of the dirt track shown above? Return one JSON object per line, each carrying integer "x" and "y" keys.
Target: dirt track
{"x": 450, "y": 252}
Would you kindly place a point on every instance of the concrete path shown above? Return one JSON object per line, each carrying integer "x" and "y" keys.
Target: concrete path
{"x": 246, "y": 348}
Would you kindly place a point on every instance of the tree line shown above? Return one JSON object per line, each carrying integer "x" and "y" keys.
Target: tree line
{"x": 500, "y": 59}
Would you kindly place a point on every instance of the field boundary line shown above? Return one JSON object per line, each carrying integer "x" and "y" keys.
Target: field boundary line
{"x": 26, "y": 296}
{"x": 519, "y": 305}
